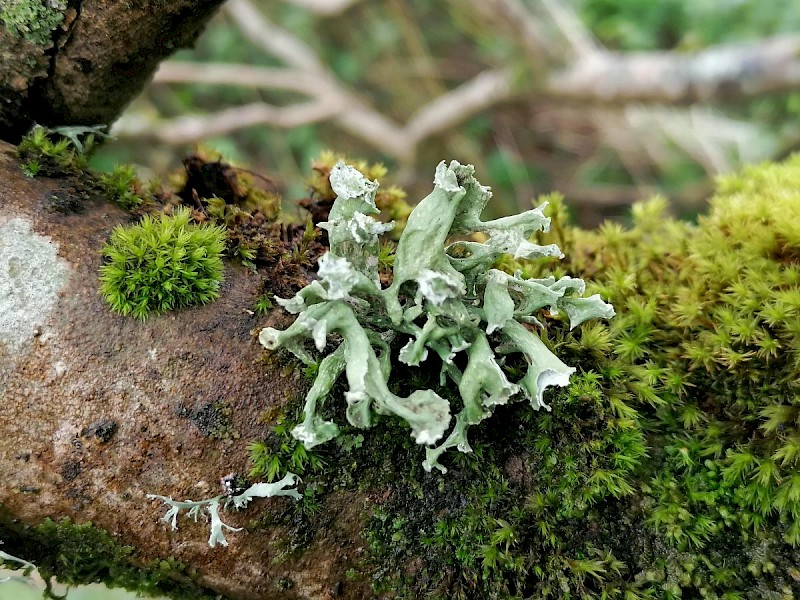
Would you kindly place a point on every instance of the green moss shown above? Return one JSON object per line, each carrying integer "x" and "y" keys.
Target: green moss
{"x": 77, "y": 554}
{"x": 122, "y": 187}
{"x": 162, "y": 264}
{"x": 44, "y": 153}
{"x": 670, "y": 467}
{"x": 280, "y": 453}
{"x": 33, "y": 20}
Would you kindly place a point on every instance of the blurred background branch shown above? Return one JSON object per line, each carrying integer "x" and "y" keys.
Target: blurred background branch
{"x": 608, "y": 101}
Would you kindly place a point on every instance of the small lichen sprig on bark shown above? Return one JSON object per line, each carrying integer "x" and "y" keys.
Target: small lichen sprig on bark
{"x": 445, "y": 299}
{"x": 211, "y": 506}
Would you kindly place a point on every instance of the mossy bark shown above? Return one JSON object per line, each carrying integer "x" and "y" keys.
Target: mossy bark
{"x": 99, "y": 410}
{"x": 94, "y": 64}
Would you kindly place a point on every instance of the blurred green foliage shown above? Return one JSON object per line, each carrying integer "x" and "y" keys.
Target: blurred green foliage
{"x": 686, "y": 24}
{"x": 406, "y": 53}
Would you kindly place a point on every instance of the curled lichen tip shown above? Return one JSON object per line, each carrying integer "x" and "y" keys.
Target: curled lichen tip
{"x": 348, "y": 182}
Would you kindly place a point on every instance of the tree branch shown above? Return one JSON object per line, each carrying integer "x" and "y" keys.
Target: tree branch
{"x": 517, "y": 20}
{"x": 483, "y": 91}
{"x": 359, "y": 118}
{"x": 233, "y": 74}
{"x": 97, "y": 61}
{"x": 191, "y": 129}
{"x": 580, "y": 39}
{"x": 272, "y": 39}
{"x": 324, "y": 7}
{"x": 594, "y": 76}
{"x": 722, "y": 72}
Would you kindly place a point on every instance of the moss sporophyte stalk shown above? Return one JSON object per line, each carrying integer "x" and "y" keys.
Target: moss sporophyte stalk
{"x": 444, "y": 299}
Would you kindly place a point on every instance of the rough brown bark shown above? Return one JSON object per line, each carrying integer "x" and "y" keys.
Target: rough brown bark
{"x": 100, "y": 58}
{"x": 82, "y": 364}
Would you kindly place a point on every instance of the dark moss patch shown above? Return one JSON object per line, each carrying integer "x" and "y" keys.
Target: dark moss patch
{"x": 66, "y": 202}
{"x": 76, "y": 554}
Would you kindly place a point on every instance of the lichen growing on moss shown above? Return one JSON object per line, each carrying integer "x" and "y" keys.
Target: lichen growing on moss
{"x": 33, "y": 20}
{"x": 389, "y": 199}
{"x": 703, "y": 357}
{"x": 667, "y": 469}
{"x": 443, "y": 299}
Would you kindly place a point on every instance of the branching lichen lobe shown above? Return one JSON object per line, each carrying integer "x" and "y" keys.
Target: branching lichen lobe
{"x": 436, "y": 301}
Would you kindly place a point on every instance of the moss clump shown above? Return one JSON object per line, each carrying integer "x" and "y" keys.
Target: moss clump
{"x": 44, "y": 153}
{"x": 76, "y": 554}
{"x": 213, "y": 419}
{"x": 162, "y": 264}
{"x": 64, "y": 152}
{"x": 707, "y": 341}
{"x": 33, "y": 20}
{"x": 122, "y": 187}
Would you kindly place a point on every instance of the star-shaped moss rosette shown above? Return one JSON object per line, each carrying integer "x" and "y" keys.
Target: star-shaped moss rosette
{"x": 443, "y": 298}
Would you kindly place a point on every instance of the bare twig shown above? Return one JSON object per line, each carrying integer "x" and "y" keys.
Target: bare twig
{"x": 595, "y": 76}
{"x": 358, "y": 118}
{"x": 190, "y": 129}
{"x": 238, "y": 75}
{"x": 513, "y": 17}
{"x": 485, "y": 90}
{"x": 717, "y": 73}
{"x": 325, "y": 7}
{"x": 272, "y": 39}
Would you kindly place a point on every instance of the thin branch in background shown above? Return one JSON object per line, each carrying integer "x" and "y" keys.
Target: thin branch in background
{"x": 476, "y": 95}
{"x": 358, "y": 118}
{"x": 272, "y": 39}
{"x": 717, "y": 73}
{"x": 191, "y": 129}
{"x": 773, "y": 65}
{"x": 324, "y": 8}
{"x": 442, "y": 113}
{"x": 513, "y": 17}
{"x": 238, "y": 75}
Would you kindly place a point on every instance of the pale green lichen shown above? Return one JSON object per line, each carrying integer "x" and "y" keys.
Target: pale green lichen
{"x": 443, "y": 298}
{"x": 33, "y": 20}
{"x": 211, "y": 506}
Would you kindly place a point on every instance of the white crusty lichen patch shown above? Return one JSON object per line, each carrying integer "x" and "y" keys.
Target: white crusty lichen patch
{"x": 31, "y": 276}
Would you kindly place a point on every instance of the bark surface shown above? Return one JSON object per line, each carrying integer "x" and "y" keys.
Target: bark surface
{"x": 80, "y": 364}
{"x": 99, "y": 59}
